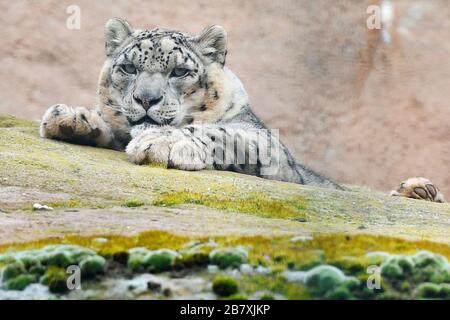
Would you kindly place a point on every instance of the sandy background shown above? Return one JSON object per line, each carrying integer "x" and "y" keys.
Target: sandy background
{"x": 348, "y": 104}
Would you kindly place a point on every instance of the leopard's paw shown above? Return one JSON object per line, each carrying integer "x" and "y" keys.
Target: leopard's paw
{"x": 419, "y": 188}
{"x": 170, "y": 148}
{"x": 187, "y": 155}
{"x": 54, "y": 120}
{"x": 74, "y": 124}
{"x": 151, "y": 146}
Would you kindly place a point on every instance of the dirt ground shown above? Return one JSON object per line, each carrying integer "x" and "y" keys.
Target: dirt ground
{"x": 355, "y": 107}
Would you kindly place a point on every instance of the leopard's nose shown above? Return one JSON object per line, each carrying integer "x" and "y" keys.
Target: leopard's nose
{"x": 147, "y": 100}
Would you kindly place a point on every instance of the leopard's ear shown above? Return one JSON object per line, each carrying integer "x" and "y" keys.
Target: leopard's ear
{"x": 116, "y": 31}
{"x": 212, "y": 44}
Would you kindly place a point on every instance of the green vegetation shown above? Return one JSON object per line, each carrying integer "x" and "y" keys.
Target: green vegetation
{"x": 224, "y": 286}
{"x": 228, "y": 257}
{"x": 254, "y": 203}
{"x": 134, "y": 203}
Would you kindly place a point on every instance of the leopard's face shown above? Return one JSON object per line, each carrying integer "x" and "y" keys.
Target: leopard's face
{"x": 156, "y": 77}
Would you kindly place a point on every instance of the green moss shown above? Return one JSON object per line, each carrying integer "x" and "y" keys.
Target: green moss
{"x": 156, "y": 261}
{"x": 254, "y": 203}
{"x": 20, "y": 282}
{"x": 13, "y": 270}
{"x": 276, "y": 253}
{"x": 134, "y": 203}
{"x": 135, "y": 262}
{"x": 92, "y": 266}
{"x": 192, "y": 260}
{"x": 160, "y": 260}
{"x": 324, "y": 278}
{"x": 73, "y": 203}
{"x": 228, "y": 257}
{"x": 340, "y": 293}
{"x": 156, "y": 165}
{"x": 58, "y": 259}
{"x": 56, "y": 280}
{"x": 392, "y": 271}
{"x": 8, "y": 121}
{"x": 428, "y": 291}
{"x": 252, "y": 284}
{"x": 224, "y": 286}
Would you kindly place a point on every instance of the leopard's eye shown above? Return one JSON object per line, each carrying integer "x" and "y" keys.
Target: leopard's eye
{"x": 128, "y": 68}
{"x": 179, "y": 72}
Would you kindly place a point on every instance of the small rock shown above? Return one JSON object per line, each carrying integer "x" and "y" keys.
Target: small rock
{"x": 246, "y": 268}
{"x": 213, "y": 268}
{"x": 301, "y": 238}
{"x": 40, "y": 207}
{"x": 101, "y": 240}
{"x": 262, "y": 270}
{"x": 154, "y": 286}
{"x": 300, "y": 219}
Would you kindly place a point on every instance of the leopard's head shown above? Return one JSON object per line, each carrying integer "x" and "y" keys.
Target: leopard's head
{"x": 161, "y": 77}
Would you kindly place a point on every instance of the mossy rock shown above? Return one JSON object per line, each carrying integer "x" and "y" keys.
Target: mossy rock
{"x": 224, "y": 286}
{"x": 160, "y": 260}
{"x": 56, "y": 280}
{"x": 433, "y": 291}
{"x": 228, "y": 257}
{"x": 92, "y": 266}
{"x": 13, "y": 270}
{"x": 192, "y": 260}
{"x": 21, "y": 282}
{"x": 323, "y": 279}
{"x": 155, "y": 261}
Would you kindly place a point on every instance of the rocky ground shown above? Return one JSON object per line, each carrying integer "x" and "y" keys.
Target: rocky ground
{"x": 149, "y": 232}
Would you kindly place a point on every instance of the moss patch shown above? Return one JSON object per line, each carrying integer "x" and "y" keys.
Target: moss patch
{"x": 7, "y": 121}
{"x": 133, "y": 204}
{"x": 254, "y": 203}
{"x": 323, "y": 269}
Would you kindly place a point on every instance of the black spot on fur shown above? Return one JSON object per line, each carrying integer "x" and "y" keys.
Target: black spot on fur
{"x": 94, "y": 134}
{"x": 66, "y": 130}
{"x": 230, "y": 107}
{"x": 189, "y": 120}
{"x": 191, "y": 129}
{"x": 203, "y": 107}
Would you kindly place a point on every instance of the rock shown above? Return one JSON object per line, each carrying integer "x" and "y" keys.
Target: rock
{"x": 246, "y": 269}
{"x": 265, "y": 210}
{"x": 301, "y": 238}
{"x": 40, "y": 207}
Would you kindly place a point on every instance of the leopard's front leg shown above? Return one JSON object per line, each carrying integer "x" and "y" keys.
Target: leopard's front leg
{"x": 77, "y": 125}
{"x": 218, "y": 147}
{"x": 171, "y": 147}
